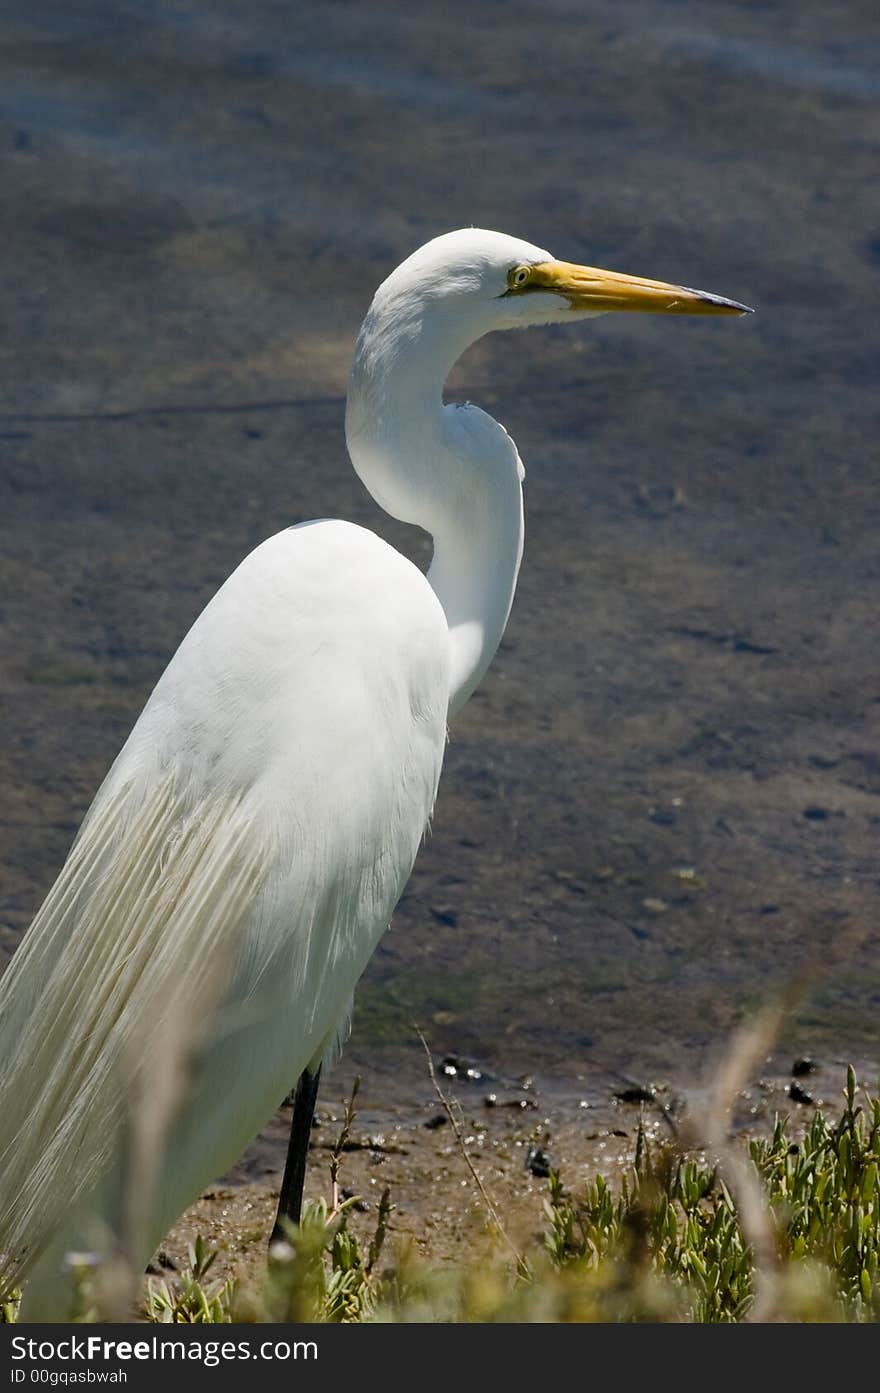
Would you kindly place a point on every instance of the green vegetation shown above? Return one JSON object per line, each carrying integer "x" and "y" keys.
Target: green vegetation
{"x": 671, "y": 1244}
{"x": 676, "y": 1242}
{"x": 191, "y": 1301}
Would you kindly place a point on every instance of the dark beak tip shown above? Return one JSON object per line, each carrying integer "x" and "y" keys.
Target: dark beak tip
{"x": 720, "y": 302}
{"x": 731, "y": 307}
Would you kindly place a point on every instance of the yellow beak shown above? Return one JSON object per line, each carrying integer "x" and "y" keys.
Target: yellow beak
{"x": 588, "y": 288}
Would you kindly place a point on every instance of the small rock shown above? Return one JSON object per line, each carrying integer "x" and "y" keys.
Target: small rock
{"x": 746, "y": 645}
{"x": 438, "y": 1120}
{"x": 445, "y": 916}
{"x": 798, "y": 1094}
{"x": 452, "y": 1066}
{"x": 815, "y": 814}
{"x": 538, "y": 1162}
{"x": 686, "y": 874}
{"x": 571, "y": 883}
{"x": 636, "y": 1094}
{"x": 655, "y": 906}
{"x": 492, "y": 1100}
{"x": 803, "y": 1066}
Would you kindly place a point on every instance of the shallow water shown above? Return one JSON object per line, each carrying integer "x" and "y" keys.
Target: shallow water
{"x": 665, "y": 800}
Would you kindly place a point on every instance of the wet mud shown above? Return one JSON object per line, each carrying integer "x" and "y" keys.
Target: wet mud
{"x": 663, "y": 804}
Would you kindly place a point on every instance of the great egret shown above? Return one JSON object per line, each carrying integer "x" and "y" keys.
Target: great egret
{"x": 248, "y": 846}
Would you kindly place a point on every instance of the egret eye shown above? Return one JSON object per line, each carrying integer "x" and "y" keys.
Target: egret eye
{"x": 518, "y": 277}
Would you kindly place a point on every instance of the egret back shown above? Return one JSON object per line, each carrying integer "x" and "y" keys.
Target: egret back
{"x": 227, "y": 888}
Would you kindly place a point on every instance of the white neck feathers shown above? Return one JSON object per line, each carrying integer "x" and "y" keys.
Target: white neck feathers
{"x": 450, "y": 470}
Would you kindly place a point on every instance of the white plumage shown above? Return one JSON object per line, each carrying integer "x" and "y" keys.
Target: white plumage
{"x": 248, "y": 846}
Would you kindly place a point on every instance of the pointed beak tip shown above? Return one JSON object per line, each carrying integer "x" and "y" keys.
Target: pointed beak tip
{"x": 719, "y": 304}
{"x": 738, "y": 309}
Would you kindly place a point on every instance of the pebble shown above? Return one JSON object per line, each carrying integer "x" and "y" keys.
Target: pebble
{"x": 636, "y": 1094}
{"x": 803, "y": 1066}
{"x": 798, "y": 1094}
{"x": 538, "y": 1162}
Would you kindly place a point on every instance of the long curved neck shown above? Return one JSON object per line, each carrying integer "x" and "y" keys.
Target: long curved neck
{"x": 450, "y": 470}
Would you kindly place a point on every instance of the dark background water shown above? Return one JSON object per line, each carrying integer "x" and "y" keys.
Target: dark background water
{"x": 665, "y": 799}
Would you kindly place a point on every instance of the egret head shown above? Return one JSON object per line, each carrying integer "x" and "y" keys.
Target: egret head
{"x": 505, "y": 283}
{"x": 420, "y": 461}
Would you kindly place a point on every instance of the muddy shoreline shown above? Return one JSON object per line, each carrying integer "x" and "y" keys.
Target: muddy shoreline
{"x": 663, "y": 804}
{"x": 510, "y": 1132}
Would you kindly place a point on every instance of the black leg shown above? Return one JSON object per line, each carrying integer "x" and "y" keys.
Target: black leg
{"x": 290, "y": 1200}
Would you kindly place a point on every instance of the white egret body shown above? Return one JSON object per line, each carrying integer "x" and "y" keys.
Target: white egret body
{"x": 249, "y": 844}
